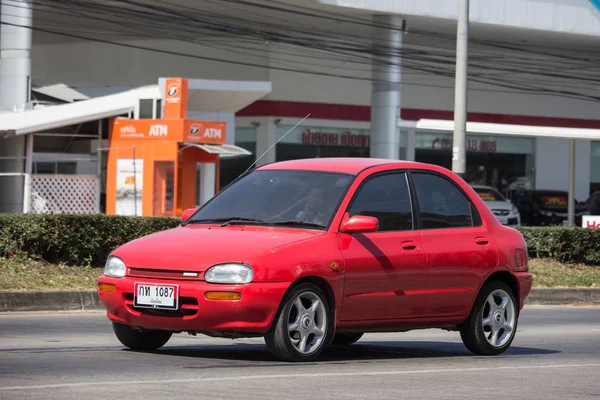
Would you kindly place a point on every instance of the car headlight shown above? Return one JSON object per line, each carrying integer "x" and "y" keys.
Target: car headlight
{"x": 114, "y": 267}
{"x": 229, "y": 273}
{"x": 514, "y": 210}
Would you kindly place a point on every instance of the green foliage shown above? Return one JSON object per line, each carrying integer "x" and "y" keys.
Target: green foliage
{"x": 83, "y": 240}
{"x": 571, "y": 245}
{"x": 86, "y": 240}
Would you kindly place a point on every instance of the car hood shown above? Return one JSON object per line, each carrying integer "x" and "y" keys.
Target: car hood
{"x": 499, "y": 205}
{"x": 197, "y": 247}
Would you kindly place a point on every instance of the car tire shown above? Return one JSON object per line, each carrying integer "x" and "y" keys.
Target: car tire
{"x": 345, "y": 339}
{"x": 140, "y": 340}
{"x": 477, "y": 332}
{"x": 297, "y": 333}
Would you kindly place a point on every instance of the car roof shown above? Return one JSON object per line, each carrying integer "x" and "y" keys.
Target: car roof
{"x": 484, "y": 187}
{"x": 348, "y": 165}
{"x": 555, "y": 191}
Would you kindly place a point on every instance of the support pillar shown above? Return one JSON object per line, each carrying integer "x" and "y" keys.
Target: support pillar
{"x": 571, "y": 199}
{"x": 411, "y": 140}
{"x": 15, "y": 76}
{"x": 386, "y": 71}
{"x": 28, "y": 172}
{"x": 266, "y": 136}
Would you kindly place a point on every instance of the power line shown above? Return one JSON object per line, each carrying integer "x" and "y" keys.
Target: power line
{"x": 433, "y": 62}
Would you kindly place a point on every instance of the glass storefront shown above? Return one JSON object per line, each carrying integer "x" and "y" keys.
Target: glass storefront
{"x": 321, "y": 142}
{"x": 506, "y": 163}
{"x": 595, "y": 167}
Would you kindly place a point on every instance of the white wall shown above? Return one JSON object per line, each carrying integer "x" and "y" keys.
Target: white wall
{"x": 419, "y": 91}
{"x": 93, "y": 65}
{"x": 90, "y": 66}
{"x": 552, "y": 166}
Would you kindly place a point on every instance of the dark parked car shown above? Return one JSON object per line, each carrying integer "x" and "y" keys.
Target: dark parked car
{"x": 545, "y": 207}
{"x": 593, "y": 203}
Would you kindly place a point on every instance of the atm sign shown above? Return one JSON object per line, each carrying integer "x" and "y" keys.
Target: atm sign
{"x": 209, "y": 132}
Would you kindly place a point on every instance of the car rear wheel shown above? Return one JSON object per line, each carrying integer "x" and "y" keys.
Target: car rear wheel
{"x": 303, "y": 325}
{"x": 492, "y": 324}
{"x": 344, "y": 339}
{"x": 140, "y": 340}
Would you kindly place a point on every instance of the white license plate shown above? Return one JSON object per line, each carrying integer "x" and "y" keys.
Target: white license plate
{"x": 152, "y": 295}
{"x": 503, "y": 220}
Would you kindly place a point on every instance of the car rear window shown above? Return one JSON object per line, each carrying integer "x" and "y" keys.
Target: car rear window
{"x": 552, "y": 199}
{"x": 489, "y": 195}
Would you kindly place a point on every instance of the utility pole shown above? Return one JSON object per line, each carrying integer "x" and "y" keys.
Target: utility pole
{"x": 459, "y": 142}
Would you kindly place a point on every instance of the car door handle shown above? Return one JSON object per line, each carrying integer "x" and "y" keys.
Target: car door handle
{"x": 409, "y": 245}
{"x": 481, "y": 241}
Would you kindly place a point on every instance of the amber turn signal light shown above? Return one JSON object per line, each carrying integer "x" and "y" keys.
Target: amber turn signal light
{"x": 107, "y": 287}
{"x": 223, "y": 295}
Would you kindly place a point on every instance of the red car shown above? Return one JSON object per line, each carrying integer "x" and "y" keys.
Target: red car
{"x": 316, "y": 252}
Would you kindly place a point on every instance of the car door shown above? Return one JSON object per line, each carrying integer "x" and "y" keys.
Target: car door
{"x": 384, "y": 270}
{"x": 460, "y": 250}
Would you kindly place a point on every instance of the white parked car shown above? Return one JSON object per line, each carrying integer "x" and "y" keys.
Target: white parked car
{"x": 503, "y": 209}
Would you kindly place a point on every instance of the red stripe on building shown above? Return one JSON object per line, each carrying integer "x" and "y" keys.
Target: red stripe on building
{"x": 349, "y": 112}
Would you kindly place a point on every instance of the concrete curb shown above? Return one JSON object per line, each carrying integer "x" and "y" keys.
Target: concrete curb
{"x": 70, "y": 300}
{"x": 563, "y": 296}
{"x": 49, "y": 300}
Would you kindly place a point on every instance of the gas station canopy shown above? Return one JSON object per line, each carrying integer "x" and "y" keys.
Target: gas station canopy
{"x": 207, "y": 95}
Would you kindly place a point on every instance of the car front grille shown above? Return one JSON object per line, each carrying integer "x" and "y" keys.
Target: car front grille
{"x": 501, "y": 213}
{"x": 163, "y": 274}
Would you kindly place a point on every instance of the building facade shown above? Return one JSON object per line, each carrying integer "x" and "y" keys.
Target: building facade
{"x": 361, "y": 71}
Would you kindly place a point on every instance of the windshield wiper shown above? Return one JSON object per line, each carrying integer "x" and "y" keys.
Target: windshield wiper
{"x": 296, "y": 222}
{"x": 228, "y": 220}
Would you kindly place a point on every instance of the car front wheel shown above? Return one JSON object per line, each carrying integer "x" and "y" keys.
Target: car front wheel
{"x": 303, "y": 325}
{"x": 140, "y": 340}
{"x": 492, "y": 324}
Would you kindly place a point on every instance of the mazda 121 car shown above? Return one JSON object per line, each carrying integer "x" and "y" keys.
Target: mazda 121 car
{"x": 317, "y": 252}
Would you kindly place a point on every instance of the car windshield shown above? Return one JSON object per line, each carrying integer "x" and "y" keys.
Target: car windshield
{"x": 551, "y": 199}
{"x": 488, "y": 194}
{"x": 278, "y": 197}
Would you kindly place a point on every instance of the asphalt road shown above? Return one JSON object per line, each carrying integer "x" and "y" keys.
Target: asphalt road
{"x": 556, "y": 355}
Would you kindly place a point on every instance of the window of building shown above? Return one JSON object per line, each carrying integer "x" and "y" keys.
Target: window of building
{"x": 146, "y": 109}
{"x": 505, "y": 163}
{"x": 595, "y": 167}
{"x": 53, "y": 168}
{"x": 441, "y": 203}
{"x": 387, "y": 198}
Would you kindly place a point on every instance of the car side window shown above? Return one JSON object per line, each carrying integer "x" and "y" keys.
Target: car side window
{"x": 387, "y": 198}
{"x": 441, "y": 203}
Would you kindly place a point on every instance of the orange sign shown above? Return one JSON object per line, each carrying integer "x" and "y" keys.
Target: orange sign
{"x": 210, "y": 132}
{"x": 176, "y": 96}
{"x": 148, "y": 128}
{"x": 179, "y": 130}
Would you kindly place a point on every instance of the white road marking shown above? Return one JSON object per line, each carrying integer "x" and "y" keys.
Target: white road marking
{"x": 283, "y": 376}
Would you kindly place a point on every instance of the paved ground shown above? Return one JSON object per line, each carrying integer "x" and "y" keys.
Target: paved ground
{"x": 556, "y": 355}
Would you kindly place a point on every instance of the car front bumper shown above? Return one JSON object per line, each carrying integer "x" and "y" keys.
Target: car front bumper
{"x": 510, "y": 220}
{"x": 252, "y": 313}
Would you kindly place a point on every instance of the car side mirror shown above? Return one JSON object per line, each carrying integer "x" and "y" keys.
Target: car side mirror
{"x": 360, "y": 224}
{"x": 186, "y": 214}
